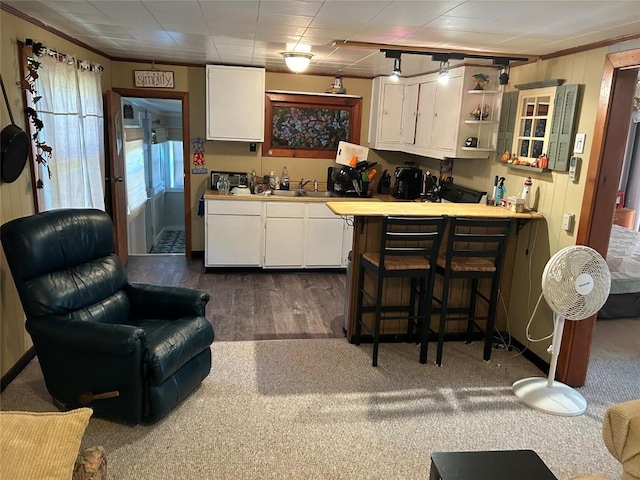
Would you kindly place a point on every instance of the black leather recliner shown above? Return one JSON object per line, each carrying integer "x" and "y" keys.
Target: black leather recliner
{"x": 130, "y": 351}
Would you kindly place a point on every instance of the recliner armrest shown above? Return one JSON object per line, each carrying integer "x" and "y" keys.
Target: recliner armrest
{"x": 102, "y": 338}
{"x": 166, "y": 302}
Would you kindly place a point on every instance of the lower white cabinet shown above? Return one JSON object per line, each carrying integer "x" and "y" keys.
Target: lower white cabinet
{"x": 233, "y": 234}
{"x": 275, "y": 235}
{"x": 284, "y": 235}
{"x": 324, "y": 245}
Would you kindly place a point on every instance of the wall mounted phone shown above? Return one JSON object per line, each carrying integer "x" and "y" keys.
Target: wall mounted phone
{"x": 574, "y": 168}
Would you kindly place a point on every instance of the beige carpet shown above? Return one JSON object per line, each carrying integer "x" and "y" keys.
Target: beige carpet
{"x": 316, "y": 409}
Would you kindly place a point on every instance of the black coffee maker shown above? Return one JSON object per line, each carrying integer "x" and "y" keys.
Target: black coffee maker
{"x": 408, "y": 182}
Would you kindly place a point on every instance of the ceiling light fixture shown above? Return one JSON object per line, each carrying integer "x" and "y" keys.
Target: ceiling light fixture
{"x": 297, "y": 57}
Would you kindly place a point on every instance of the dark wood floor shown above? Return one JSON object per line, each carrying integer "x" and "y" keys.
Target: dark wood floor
{"x": 254, "y": 305}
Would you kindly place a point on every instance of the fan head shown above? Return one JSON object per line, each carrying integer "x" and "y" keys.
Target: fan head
{"x": 576, "y": 282}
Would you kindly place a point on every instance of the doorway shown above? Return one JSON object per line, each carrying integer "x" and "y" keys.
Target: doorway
{"x": 605, "y": 167}
{"x": 154, "y": 175}
{"x": 159, "y": 122}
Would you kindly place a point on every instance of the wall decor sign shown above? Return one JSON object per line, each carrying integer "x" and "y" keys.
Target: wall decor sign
{"x": 153, "y": 79}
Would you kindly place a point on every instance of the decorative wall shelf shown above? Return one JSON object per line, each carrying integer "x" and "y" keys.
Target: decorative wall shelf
{"x": 475, "y": 149}
{"x": 475, "y": 122}
{"x": 483, "y": 92}
{"x": 525, "y": 167}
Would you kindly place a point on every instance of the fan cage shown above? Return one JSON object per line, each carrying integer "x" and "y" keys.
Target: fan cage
{"x": 559, "y": 282}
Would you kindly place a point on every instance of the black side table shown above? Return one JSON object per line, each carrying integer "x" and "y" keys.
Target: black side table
{"x": 489, "y": 465}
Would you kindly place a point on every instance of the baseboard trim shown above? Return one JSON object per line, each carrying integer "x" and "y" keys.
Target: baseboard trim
{"x": 13, "y": 372}
{"x": 532, "y": 357}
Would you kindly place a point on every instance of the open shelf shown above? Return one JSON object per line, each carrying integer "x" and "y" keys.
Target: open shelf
{"x": 476, "y": 149}
{"x": 480, "y": 92}
{"x": 475, "y": 122}
{"x": 525, "y": 167}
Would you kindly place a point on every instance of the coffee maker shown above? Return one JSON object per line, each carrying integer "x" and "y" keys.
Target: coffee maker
{"x": 408, "y": 182}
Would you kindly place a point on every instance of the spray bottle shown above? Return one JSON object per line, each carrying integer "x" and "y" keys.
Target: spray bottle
{"x": 500, "y": 191}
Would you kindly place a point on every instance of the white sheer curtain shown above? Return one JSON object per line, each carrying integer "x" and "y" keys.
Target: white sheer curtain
{"x": 71, "y": 111}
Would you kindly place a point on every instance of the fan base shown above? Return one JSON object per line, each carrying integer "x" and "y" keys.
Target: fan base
{"x": 560, "y": 399}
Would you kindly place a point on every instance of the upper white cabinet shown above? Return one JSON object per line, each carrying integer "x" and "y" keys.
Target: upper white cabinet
{"x": 437, "y": 118}
{"x": 235, "y": 103}
{"x": 386, "y": 114}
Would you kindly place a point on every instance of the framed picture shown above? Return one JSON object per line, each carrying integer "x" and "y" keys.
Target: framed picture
{"x": 309, "y": 126}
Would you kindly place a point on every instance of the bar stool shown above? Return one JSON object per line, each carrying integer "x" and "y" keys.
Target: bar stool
{"x": 475, "y": 250}
{"x": 408, "y": 249}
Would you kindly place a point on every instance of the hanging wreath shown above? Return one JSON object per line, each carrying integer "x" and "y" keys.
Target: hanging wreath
{"x": 43, "y": 151}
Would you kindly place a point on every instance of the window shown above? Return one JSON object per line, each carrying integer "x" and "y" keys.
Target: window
{"x": 135, "y": 176}
{"x": 309, "y": 126}
{"x": 174, "y": 166}
{"x": 533, "y": 122}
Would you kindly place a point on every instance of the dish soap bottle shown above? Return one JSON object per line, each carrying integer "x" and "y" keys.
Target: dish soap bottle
{"x": 284, "y": 180}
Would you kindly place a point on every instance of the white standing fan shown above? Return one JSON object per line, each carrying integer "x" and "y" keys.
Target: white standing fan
{"x": 575, "y": 284}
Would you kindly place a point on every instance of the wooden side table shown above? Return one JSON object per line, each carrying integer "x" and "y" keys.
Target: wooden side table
{"x": 624, "y": 217}
{"x": 489, "y": 465}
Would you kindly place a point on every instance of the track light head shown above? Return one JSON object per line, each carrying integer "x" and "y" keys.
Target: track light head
{"x": 443, "y": 74}
{"x": 396, "y": 73}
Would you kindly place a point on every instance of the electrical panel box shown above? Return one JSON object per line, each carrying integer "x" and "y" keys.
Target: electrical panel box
{"x": 574, "y": 168}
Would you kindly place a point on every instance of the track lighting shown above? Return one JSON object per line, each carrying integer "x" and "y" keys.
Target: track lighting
{"x": 443, "y": 74}
{"x": 396, "y": 73}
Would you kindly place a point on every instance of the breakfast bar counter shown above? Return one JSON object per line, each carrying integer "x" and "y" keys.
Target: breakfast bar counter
{"x": 367, "y": 230}
{"x": 424, "y": 209}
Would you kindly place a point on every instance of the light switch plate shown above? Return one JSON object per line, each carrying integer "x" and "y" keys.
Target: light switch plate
{"x": 578, "y": 146}
{"x": 567, "y": 221}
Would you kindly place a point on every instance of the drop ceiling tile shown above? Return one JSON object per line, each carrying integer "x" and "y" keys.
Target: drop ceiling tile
{"x": 82, "y": 8}
{"x": 303, "y": 8}
{"x": 411, "y": 13}
{"x": 351, "y": 11}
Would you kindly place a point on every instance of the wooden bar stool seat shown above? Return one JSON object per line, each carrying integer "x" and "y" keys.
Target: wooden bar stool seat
{"x": 475, "y": 251}
{"x": 408, "y": 249}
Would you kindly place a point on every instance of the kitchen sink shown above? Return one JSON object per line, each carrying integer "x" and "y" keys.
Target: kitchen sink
{"x": 311, "y": 193}
{"x": 287, "y": 193}
{"x": 302, "y": 193}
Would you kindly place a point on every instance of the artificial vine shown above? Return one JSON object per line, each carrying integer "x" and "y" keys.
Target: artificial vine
{"x": 43, "y": 155}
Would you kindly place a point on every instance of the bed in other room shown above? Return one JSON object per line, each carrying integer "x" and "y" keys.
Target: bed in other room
{"x": 623, "y": 258}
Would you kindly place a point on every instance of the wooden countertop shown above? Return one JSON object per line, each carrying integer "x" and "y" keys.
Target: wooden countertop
{"x": 214, "y": 195}
{"x": 424, "y": 209}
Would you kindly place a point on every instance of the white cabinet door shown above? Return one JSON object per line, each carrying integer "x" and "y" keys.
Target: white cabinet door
{"x": 409, "y": 114}
{"x": 324, "y": 242}
{"x": 235, "y": 103}
{"x": 233, "y": 233}
{"x": 284, "y": 235}
{"x": 325, "y": 237}
{"x": 426, "y": 114}
{"x": 284, "y": 243}
{"x": 391, "y": 119}
{"x": 386, "y": 114}
{"x": 447, "y": 114}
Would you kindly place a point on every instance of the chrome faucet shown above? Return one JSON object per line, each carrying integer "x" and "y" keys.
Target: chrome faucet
{"x": 302, "y": 183}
